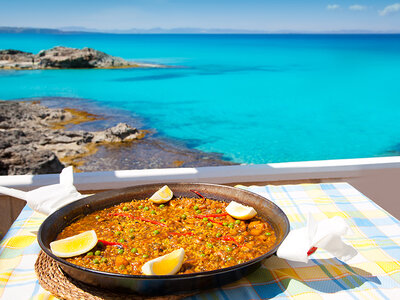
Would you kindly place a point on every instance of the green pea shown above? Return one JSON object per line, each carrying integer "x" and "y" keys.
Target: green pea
{"x": 195, "y": 207}
{"x": 231, "y": 225}
{"x": 210, "y": 225}
{"x": 162, "y": 206}
{"x": 218, "y": 235}
{"x": 237, "y": 222}
{"x": 229, "y": 258}
{"x": 198, "y": 211}
{"x": 209, "y": 245}
{"x": 104, "y": 260}
{"x": 121, "y": 240}
{"x": 162, "y": 220}
{"x": 202, "y": 255}
{"x": 125, "y": 208}
{"x": 156, "y": 231}
{"x": 145, "y": 256}
{"x": 140, "y": 206}
{"x": 118, "y": 232}
{"x": 131, "y": 230}
{"x": 134, "y": 250}
{"x": 228, "y": 249}
{"x": 120, "y": 251}
{"x": 205, "y": 219}
{"x": 219, "y": 211}
{"x": 225, "y": 223}
{"x": 97, "y": 217}
{"x": 268, "y": 233}
{"x": 132, "y": 237}
{"x": 146, "y": 208}
{"x": 89, "y": 253}
{"x": 183, "y": 216}
{"x": 97, "y": 253}
{"x": 121, "y": 267}
{"x": 96, "y": 261}
{"x": 153, "y": 212}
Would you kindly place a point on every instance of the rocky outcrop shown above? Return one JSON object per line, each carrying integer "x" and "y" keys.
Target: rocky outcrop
{"x": 29, "y": 161}
{"x": 119, "y": 133}
{"x": 30, "y": 145}
{"x": 19, "y": 156}
{"x": 64, "y": 58}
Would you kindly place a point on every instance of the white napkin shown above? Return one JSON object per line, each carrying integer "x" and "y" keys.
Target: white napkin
{"x": 49, "y": 198}
{"x": 326, "y": 234}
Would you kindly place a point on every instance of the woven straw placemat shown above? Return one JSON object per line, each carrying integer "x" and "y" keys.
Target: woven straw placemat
{"x": 52, "y": 279}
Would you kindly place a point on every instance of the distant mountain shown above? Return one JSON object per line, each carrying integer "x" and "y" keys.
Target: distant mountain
{"x": 183, "y": 30}
{"x": 79, "y": 29}
{"x": 6, "y": 29}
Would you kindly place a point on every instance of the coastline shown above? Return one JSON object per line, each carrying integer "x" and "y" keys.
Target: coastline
{"x": 133, "y": 65}
{"x": 61, "y": 57}
{"x": 146, "y": 150}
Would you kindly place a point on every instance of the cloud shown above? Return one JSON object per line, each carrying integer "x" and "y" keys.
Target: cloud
{"x": 332, "y": 6}
{"x": 390, "y": 9}
{"x": 357, "y": 7}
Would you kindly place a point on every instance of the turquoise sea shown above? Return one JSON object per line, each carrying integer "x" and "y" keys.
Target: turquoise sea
{"x": 253, "y": 98}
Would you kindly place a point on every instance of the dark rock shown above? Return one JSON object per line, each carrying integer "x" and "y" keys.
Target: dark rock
{"x": 33, "y": 162}
{"x": 3, "y": 169}
{"x": 13, "y": 52}
{"x": 119, "y": 133}
{"x": 16, "y": 55}
{"x": 28, "y": 144}
{"x": 12, "y": 137}
{"x": 10, "y": 59}
{"x": 63, "y": 58}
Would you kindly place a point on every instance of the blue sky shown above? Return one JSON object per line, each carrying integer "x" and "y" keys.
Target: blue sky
{"x": 266, "y": 15}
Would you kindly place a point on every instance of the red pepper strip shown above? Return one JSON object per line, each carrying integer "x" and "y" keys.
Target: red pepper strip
{"x": 214, "y": 240}
{"x": 226, "y": 239}
{"x": 230, "y": 239}
{"x": 216, "y": 222}
{"x": 138, "y": 218}
{"x": 151, "y": 221}
{"x": 312, "y": 250}
{"x": 198, "y": 194}
{"x": 181, "y": 233}
{"x": 110, "y": 243}
{"x": 213, "y": 215}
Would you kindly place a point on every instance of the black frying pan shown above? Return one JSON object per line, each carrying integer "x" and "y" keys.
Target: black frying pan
{"x": 166, "y": 284}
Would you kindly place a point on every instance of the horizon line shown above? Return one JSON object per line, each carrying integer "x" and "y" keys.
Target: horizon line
{"x": 187, "y": 30}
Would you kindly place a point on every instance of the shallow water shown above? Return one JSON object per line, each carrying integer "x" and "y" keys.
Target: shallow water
{"x": 148, "y": 153}
{"x": 253, "y": 98}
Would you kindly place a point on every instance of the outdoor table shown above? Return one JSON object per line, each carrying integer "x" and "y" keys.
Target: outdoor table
{"x": 373, "y": 273}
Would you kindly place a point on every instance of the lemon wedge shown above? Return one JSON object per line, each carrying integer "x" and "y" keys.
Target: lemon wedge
{"x": 240, "y": 211}
{"x": 162, "y": 195}
{"x": 167, "y": 264}
{"x": 74, "y": 245}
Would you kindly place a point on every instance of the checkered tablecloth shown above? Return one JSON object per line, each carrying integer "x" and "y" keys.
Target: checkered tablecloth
{"x": 373, "y": 274}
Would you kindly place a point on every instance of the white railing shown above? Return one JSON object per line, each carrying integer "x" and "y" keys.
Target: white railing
{"x": 323, "y": 169}
{"x": 377, "y": 178}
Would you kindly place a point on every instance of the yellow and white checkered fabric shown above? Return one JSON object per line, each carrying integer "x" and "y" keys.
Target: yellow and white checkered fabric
{"x": 373, "y": 274}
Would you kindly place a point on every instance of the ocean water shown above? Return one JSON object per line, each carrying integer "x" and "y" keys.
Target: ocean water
{"x": 253, "y": 98}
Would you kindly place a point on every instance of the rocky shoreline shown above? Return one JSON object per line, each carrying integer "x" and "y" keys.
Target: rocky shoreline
{"x": 65, "y": 58}
{"x": 34, "y": 140}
